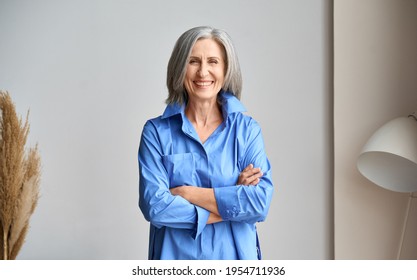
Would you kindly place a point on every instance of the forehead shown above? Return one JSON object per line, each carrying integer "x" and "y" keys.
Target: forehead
{"x": 208, "y": 47}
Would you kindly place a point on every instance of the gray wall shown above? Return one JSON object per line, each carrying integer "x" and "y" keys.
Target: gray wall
{"x": 92, "y": 72}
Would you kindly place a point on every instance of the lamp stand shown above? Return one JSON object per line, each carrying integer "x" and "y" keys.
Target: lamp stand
{"x": 410, "y": 198}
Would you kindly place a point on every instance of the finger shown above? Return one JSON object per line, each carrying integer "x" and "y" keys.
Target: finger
{"x": 251, "y": 183}
{"x": 251, "y": 180}
{"x": 249, "y": 175}
{"x": 250, "y": 166}
{"x": 254, "y": 182}
{"x": 254, "y": 177}
{"x": 251, "y": 172}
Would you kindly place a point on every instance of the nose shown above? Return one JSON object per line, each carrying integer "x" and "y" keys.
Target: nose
{"x": 203, "y": 70}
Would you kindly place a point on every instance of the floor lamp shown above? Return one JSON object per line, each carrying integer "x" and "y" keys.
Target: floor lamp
{"x": 389, "y": 159}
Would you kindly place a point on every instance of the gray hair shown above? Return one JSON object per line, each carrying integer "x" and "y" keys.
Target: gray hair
{"x": 177, "y": 65}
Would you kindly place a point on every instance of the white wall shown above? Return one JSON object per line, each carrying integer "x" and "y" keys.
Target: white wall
{"x": 92, "y": 72}
{"x": 375, "y": 81}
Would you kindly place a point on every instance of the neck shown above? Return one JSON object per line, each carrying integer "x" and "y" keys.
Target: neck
{"x": 203, "y": 114}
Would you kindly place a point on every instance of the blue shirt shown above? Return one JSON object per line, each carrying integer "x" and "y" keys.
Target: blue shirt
{"x": 171, "y": 154}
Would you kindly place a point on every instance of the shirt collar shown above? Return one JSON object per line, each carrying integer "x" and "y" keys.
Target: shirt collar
{"x": 230, "y": 104}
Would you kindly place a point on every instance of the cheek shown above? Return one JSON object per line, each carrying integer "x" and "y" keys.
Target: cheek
{"x": 221, "y": 75}
{"x": 221, "y": 78}
{"x": 188, "y": 78}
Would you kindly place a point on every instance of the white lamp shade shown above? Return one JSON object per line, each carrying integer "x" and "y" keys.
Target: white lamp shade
{"x": 389, "y": 158}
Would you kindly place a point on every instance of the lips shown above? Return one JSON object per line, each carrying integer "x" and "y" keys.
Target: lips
{"x": 203, "y": 84}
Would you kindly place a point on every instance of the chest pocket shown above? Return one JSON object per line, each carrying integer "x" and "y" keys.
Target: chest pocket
{"x": 181, "y": 169}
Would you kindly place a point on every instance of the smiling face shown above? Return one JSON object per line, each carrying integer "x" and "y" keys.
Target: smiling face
{"x": 205, "y": 73}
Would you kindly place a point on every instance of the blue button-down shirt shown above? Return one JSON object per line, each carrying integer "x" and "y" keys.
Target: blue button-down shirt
{"x": 171, "y": 154}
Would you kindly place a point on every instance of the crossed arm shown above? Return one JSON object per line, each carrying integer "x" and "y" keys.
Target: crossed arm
{"x": 204, "y": 197}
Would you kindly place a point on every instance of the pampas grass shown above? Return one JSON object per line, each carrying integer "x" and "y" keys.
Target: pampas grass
{"x": 19, "y": 179}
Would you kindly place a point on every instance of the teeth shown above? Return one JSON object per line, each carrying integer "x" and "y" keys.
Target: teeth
{"x": 203, "y": 84}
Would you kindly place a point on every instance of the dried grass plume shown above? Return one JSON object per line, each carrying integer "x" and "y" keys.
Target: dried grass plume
{"x": 19, "y": 179}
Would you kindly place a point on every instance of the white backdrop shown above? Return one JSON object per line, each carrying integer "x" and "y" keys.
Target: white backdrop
{"x": 92, "y": 72}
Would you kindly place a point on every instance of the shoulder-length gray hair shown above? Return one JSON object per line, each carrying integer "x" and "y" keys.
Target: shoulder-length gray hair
{"x": 177, "y": 65}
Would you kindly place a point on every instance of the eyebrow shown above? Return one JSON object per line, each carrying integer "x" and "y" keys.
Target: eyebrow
{"x": 210, "y": 57}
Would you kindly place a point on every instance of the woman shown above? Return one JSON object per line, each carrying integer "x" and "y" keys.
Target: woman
{"x": 204, "y": 176}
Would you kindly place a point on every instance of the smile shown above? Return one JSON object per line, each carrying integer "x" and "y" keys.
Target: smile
{"x": 203, "y": 83}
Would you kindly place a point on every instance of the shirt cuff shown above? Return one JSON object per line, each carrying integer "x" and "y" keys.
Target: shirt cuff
{"x": 202, "y": 218}
{"x": 227, "y": 202}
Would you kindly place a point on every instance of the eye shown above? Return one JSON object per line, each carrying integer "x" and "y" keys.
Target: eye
{"x": 213, "y": 61}
{"x": 194, "y": 61}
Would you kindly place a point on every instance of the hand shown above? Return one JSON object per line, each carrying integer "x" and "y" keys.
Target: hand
{"x": 250, "y": 176}
{"x": 180, "y": 190}
{"x": 213, "y": 218}
{"x": 203, "y": 197}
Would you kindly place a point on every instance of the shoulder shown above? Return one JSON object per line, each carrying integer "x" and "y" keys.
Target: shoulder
{"x": 245, "y": 122}
{"x": 246, "y": 128}
{"x": 152, "y": 123}
{"x": 160, "y": 127}
{"x": 152, "y": 126}
{"x": 171, "y": 113}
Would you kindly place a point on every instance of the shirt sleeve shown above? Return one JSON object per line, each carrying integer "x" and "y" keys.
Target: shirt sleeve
{"x": 248, "y": 203}
{"x": 156, "y": 202}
